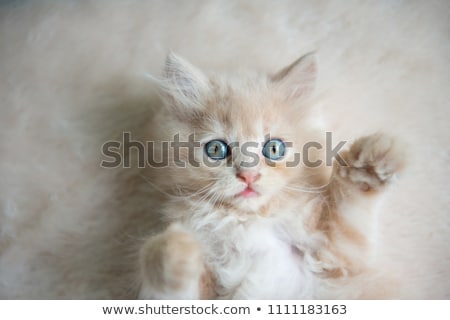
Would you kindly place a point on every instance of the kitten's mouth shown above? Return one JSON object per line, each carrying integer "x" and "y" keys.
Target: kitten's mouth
{"x": 248, "y": 193}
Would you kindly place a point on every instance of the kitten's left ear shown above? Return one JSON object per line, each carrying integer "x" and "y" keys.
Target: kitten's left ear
{"x": 184, "y": 86}
{"x": 298, "y": 79}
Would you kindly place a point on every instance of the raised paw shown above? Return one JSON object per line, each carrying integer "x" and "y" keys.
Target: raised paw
{"x": 372, "y": 161}
{"x": 172, "y": 265}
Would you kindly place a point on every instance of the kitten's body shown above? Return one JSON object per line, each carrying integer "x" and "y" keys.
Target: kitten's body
{"x": 305, "y": 230}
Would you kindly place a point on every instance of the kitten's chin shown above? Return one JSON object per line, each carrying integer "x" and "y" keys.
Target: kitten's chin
{"x": 252, "y": 205}
{"x": 249, "y": 201}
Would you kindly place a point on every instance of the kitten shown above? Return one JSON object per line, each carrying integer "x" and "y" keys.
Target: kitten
{"x": 268, "y": 230}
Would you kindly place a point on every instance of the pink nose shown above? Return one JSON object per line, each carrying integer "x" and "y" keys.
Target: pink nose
{"x": 248, "y": 176}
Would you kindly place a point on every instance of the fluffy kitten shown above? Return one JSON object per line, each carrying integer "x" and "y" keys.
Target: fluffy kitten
{"x": 266, "y": 231}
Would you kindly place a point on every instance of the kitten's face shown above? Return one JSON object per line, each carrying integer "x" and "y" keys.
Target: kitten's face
{"x": 248, "y": 130}
{"x": 245, "y": 147}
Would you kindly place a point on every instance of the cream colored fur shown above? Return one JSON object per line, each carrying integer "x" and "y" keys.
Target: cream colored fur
{"x": 304, "y": 232}
{"x": 73, "y": 76}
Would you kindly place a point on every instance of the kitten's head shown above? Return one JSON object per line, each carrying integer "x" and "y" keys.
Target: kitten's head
{"x": 249, "y": 131}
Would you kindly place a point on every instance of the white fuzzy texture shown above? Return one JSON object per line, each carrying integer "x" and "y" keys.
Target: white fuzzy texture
{"x": 72, "y": 77}
{"x": 255, "y": 257}
{"x": 264, "y": 265}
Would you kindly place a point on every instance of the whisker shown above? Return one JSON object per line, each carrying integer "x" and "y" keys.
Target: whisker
{"x": 180, "y": 192}
{"x": 154, "y": 186}
{"x": 318, "y": 189}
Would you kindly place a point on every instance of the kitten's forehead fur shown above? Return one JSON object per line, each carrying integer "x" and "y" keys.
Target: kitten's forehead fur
{"x": 243, "y": 108}
{"x": 244, "y": 105}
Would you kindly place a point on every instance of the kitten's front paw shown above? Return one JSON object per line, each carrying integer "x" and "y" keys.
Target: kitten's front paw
{"x": 372, "y": 161}
{"x": 171, "y": 265}
{"x": 182, "y": 260}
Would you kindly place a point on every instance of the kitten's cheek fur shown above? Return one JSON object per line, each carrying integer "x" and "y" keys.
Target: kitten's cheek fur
{"x": 171, "y": 266}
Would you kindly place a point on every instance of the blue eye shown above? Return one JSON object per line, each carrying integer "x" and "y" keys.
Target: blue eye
{"x": 274, "y": 149}
{"x": 216, "y": 149}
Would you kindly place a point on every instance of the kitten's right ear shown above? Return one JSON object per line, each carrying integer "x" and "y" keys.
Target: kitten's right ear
{"x": 298, "y": 79}
{"x": 184, "y": 86}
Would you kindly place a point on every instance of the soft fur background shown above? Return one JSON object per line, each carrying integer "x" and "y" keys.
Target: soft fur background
{"x": 71, "y": 76}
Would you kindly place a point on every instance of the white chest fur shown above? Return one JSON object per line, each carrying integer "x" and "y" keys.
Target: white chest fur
{"x": 256, "y": 260}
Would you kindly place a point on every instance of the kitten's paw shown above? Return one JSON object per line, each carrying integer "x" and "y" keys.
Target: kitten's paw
{"x": 171, "y": 265}
{"x": 372, "y": 161}
{"x": 182, "y": 260}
